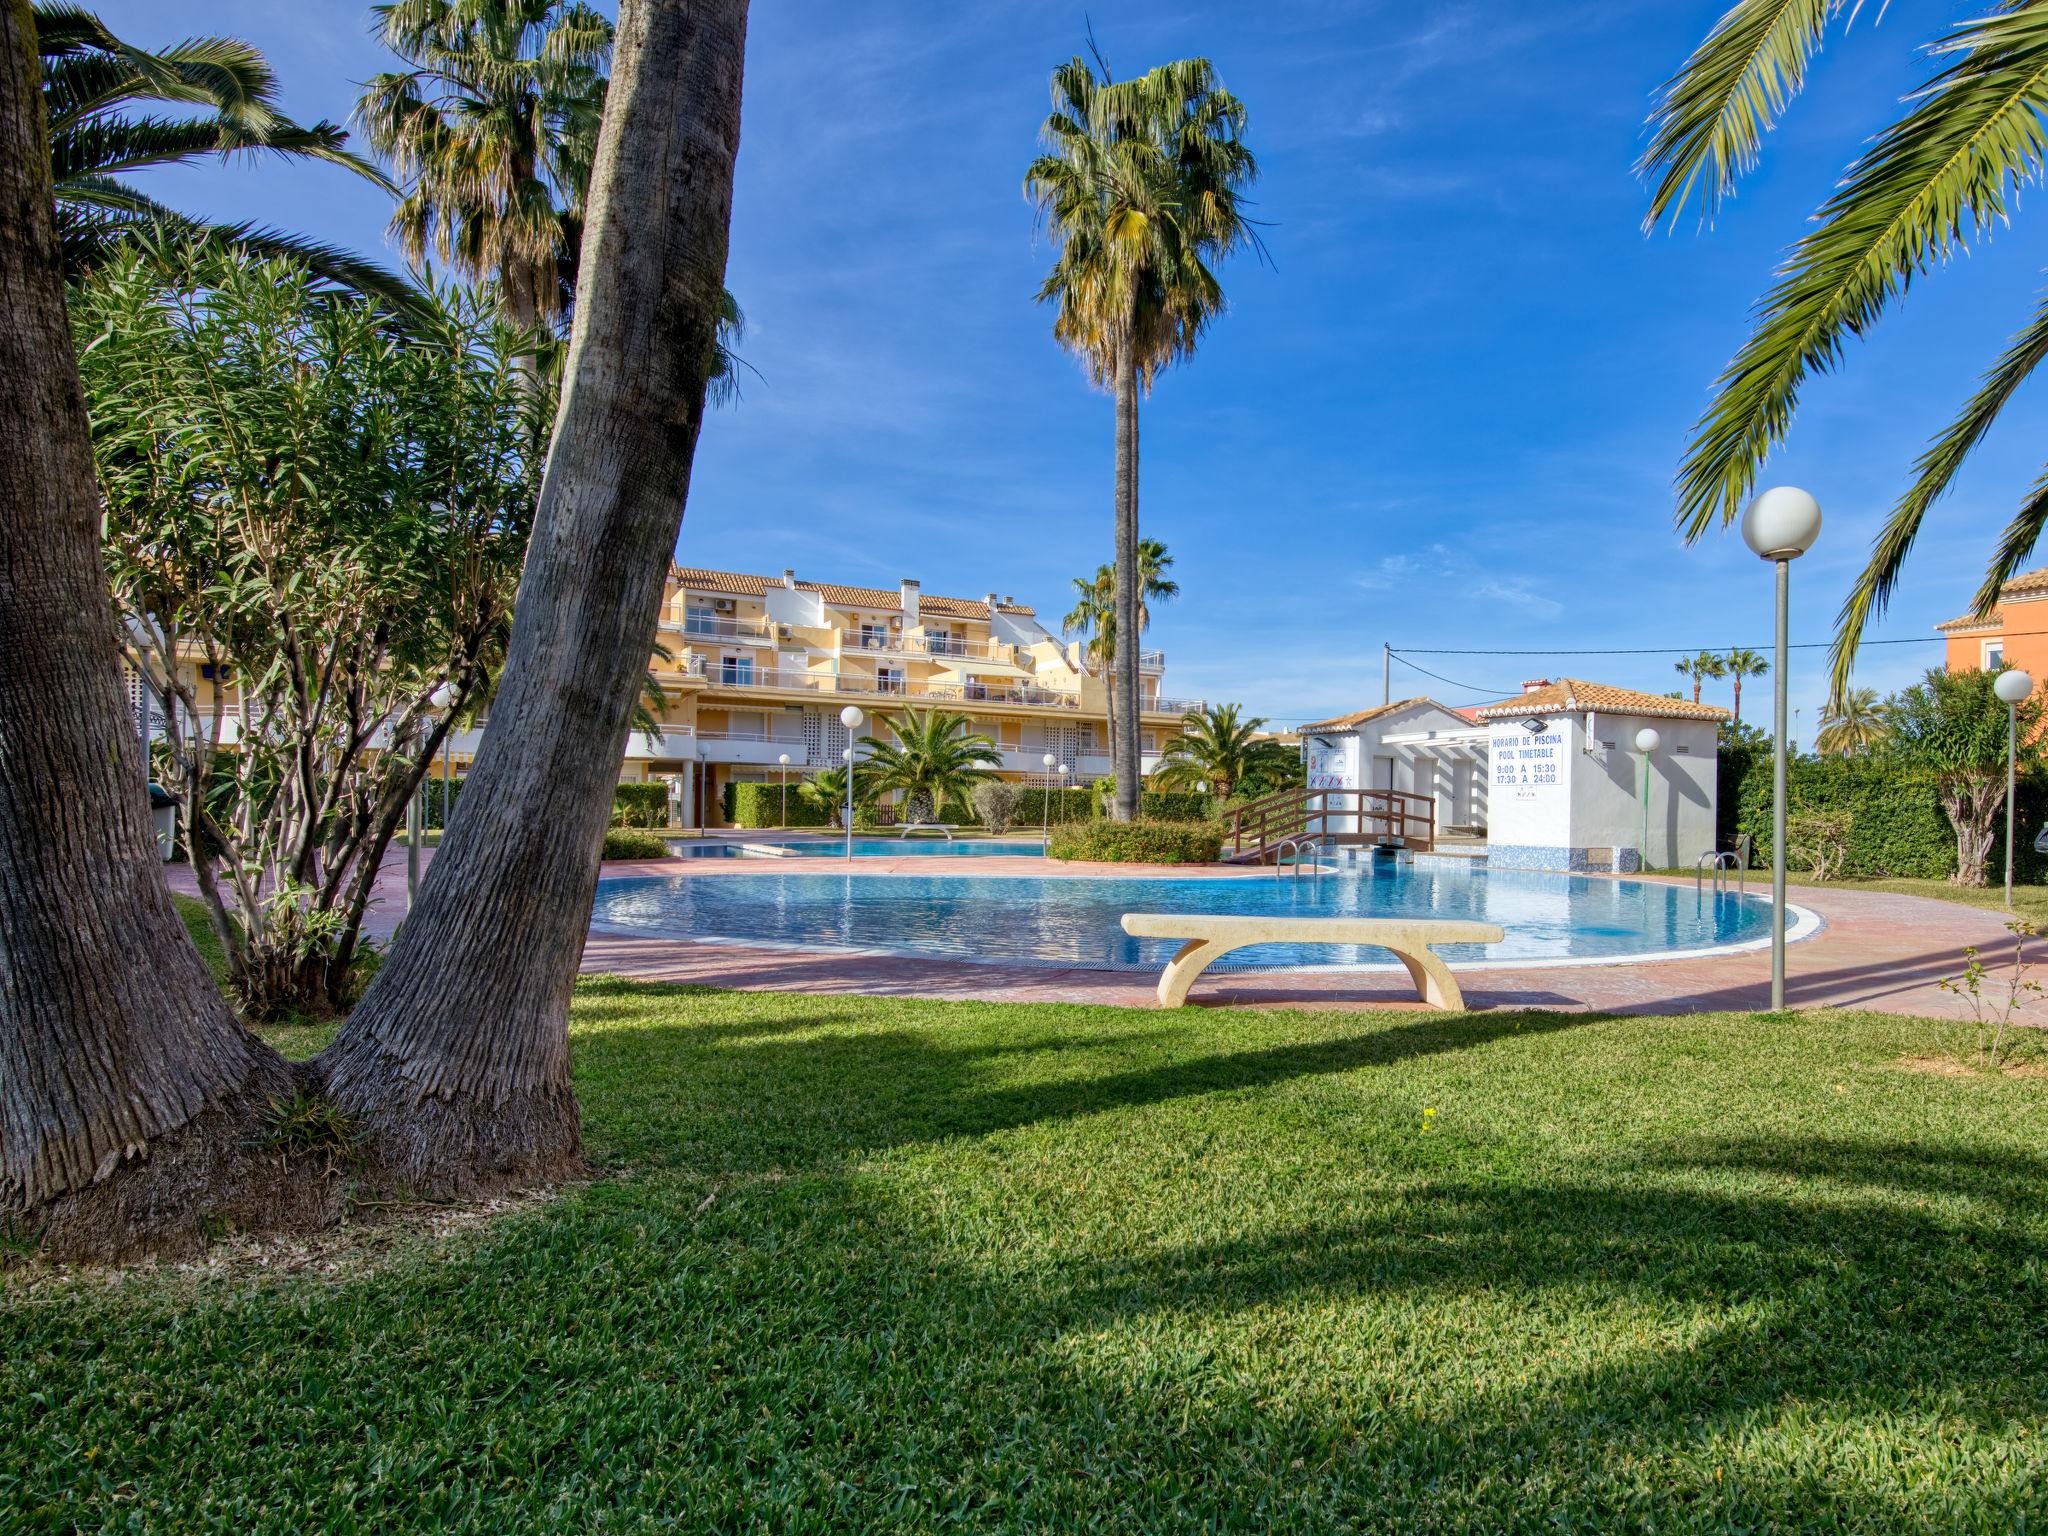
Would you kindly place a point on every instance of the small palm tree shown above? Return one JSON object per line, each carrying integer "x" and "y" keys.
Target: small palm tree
{"x": 1141, "y": 183}
{"x": 825, "y": 791}
{"x": 936, "y": 757}
{"x": 1092, "y": 619}
{"x": 92, "y": 81}
{"x": 1946, "y": 172}
{"x": 1217, "y": 746}
{"x": 1738, "y": 665}
{"x": 1856, "y": 724}
{"x": 1699, "y": 668}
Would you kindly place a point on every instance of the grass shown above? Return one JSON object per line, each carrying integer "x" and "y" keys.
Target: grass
{"x": 861, "y": 1265}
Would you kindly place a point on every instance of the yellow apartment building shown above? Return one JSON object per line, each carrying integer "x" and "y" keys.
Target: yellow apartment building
{"x": 754, "y": 669}
{"x": 758, "y": 668}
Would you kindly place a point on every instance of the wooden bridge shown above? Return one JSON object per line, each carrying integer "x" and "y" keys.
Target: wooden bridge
{"x": 1391, "y": 818}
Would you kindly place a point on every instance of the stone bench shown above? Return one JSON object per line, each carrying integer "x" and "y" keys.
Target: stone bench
{"x": 1209, "y": 938}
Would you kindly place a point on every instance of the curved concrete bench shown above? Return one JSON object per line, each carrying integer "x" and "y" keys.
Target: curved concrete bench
{"x": 1209, "y": 938}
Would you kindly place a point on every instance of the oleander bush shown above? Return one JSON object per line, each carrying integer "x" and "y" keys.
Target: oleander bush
{"x": 1139, "y": 842}
{"x": 634, "y": 843}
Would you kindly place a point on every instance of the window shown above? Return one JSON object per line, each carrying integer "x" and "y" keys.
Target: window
{"x": 700, "y": 621}
{"x": 888, "y": 680}
{"x": 1994, "y": 655}
{"x": 873, "y": 637}
{"x": 736, "y": 671}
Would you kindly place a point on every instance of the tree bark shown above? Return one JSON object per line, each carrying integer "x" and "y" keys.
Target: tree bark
{"x": 1124, "y": 682}
{"x": 1973, "y": 812}
{"x": 131, "y": 1098}
{"x": 454, "y": 1066}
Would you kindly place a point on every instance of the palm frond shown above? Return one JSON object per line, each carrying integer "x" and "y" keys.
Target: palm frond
{"x": 1934, "y": 473}
{"x": 1711, "y": 117}
{"x": 1940, "y": 175}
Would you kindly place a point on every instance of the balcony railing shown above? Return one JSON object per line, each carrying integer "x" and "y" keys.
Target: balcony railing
{"x": 1151, "y": 661}
{"x": 1172, "y": 706}
{"x": 926, "y": 645}
{"x": 711, "y": 626}
{"x": 831, "y": 682}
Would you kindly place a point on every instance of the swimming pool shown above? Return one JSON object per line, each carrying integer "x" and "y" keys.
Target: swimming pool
{"x": 863, "y": 848}
{"x": 1550, "y": 919}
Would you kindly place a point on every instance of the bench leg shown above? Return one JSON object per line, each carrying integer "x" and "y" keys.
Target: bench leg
{"x": 1188, "y": 963}
{"x": 1434, "y": 983}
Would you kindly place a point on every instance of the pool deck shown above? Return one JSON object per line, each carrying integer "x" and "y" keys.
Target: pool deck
{"x": 1875, "y": 951}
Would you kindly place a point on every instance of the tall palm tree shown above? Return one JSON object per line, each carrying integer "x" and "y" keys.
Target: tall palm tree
{"x": 1699, "y": 668}
{"x": 1948, "y": 167}
{"x": 1141, "y": 184}
{"x": 1741, "y": 663}
{"x": 935, "y": 757}
{"x": 1854, "y": 724}
{"x": 1220, "y": 748}
{"x": 1092, "y": 619}
{"x": 494, "y": 125}
{"x": 92, "y": 83}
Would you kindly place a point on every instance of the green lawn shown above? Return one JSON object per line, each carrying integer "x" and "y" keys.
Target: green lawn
{"x": 879, "y": 1265}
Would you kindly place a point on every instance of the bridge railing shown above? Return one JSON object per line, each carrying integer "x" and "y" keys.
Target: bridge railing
{"x": 1337, "y": 815}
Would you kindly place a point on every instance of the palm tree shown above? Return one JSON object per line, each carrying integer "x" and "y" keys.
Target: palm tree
{"x": 1141, "y": 184}
{"x": 935, "y": 758}
{"x": 1739, "y": 664}
{"x": 1092, "y": 619}
{"x": 495, "y": 126}
{"x": 92, "y": 80}
{"x": 1699, "y": 668}
{"x": 825, "y": 790}
{"x": 1950, "y": 165}
{"x": 1219, "y": 748}
{"x": 1854, "y": 724}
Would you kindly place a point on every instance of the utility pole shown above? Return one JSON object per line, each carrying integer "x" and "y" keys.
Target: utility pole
{"x": 1386, "y": 674}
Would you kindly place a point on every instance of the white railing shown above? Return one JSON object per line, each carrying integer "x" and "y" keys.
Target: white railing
{"x": 1151, "y": 661}
{"x": 839, "y": 682}
{"x": 943, "y": 646}
{"x": 1172, "y": 706}
{"x": 710, "y": 626}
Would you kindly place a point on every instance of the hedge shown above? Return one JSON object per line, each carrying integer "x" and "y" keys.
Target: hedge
{"x": 1139, "y": 842}
{"x": 634, "y": 843}
{"x": 1898, "y": 828}
{"x": 1174, "y": 805}
{"x": 759, "y": 806}
{"x": 640, "y": 805}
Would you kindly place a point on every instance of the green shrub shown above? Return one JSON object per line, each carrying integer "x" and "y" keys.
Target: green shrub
{"x": 640, "y": 805}
{"x": 998, "y": 804}
{"x": 1896, "y": 824}
{"x": 633, "y": 843}
{"x": 1139, "y": 842}
{"x": 440, "y": 804}
{"x": 1174, "y": 805}
{"x": 759, "y": 806}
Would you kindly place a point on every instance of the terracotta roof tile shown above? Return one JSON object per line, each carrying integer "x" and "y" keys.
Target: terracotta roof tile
{"x": 2024, "y": 587}
{"x": 742, "y": 585}
{"x": 1573, "y": 693}
{"x": 1359, "y": 717}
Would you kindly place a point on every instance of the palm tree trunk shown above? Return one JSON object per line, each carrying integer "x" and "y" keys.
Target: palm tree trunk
{"x": 128, "y": 1090}
{"x": 1738, "y": 699}
{"x": 1124, "y": 685}
{"x": 455, "y": 1064}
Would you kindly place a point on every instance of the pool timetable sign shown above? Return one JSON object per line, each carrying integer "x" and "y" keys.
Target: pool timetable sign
{"x": 1529, "y": 802}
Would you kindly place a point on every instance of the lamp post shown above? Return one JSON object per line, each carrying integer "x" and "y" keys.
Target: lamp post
{"x": 850, "y": 717}
{"x": 782, "y": 778}
{"x": 1780, "y": 526}
{"x": 2012, "y": 687}
{"x": 1045, "y": 814}
{"x": 1646, "y": 743}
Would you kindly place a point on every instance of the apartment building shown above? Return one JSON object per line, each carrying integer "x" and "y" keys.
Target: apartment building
{"x": 2014, "y": 634}
{"x": 758, "y": 668}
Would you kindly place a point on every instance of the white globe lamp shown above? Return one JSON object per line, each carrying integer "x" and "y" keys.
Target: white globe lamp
{"x": 2012, "y": 686}
{"x": 1780, "y": 526}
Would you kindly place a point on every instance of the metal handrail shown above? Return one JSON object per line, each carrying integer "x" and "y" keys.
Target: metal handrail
{"x": 1719, "y": 861}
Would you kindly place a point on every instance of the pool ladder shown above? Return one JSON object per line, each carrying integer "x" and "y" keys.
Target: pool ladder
{"x": 1310, "y": 844}
{"x": 1718, "y": 863}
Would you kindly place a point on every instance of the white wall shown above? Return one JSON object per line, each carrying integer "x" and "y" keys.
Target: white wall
{"x": 1561, "y": 798}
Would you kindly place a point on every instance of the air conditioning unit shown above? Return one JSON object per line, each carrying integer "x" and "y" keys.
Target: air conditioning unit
{"x": 782, "y": 631}
{"x": 723, "y": 605}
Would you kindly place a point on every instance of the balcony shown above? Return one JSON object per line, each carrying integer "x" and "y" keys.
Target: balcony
{"x": 708, "y": 626}
{"x": 831, "y": 682}
{"x": 1172, "y": 706}
{"x": 942, "y": 647}
{"x": 1151, "y": 661}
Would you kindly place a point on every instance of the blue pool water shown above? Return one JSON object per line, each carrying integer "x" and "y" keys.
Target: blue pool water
{"x": 865, "y": 848}
{"x": 1075, "y": 921}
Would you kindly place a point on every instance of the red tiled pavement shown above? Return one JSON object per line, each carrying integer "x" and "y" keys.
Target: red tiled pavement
{"x": 1876, "y": 951}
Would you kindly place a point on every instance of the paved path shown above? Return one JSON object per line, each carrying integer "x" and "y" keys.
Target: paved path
{"x": 1876, "y": 951}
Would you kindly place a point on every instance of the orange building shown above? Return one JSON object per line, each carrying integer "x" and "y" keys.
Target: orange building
{"x": 2015, "y": 635}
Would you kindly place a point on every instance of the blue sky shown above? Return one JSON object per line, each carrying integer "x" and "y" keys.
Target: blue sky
{"x": 1447, "y": 415}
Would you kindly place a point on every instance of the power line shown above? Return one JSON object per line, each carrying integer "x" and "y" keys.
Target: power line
{"x": 1491, "y": 693}
{"x": 1672, "y": 650}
